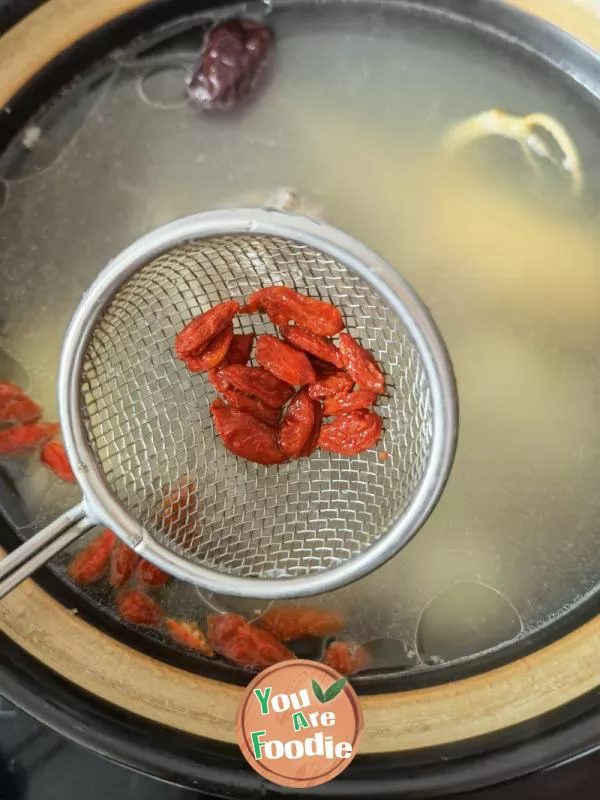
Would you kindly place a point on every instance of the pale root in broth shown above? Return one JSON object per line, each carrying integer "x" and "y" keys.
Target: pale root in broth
{"x": 523, "y": 131}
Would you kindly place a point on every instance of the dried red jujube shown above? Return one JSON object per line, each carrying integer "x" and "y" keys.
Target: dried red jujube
{"x": 232, "y": 64}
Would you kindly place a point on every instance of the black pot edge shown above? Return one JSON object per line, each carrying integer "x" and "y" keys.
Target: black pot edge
{"x": 219, "y": 769}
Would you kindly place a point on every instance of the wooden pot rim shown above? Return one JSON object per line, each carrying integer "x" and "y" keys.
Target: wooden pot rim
{"x": 433, "y": 716}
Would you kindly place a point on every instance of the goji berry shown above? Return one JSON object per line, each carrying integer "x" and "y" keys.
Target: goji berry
{"x": 347, "y": 657}
{"x": 223, "y": 627}
{"x": 151, "y": 576}
{"x": 136, "y": 607}
{"x": 188, "y": 634}
{"x": 351, "y": 433}
{"x": 240, "y": 349}
{"x": 283, "y": 361}
{"x": 202, "y": 329}
{"x": 89, "y": 565}
{"x": 214, "y": 352}
{"x": 246, "y": 436}
{"x": 232, "y": 637}
{"x": 19, "y": 409}
{"x": 254, "y": 406}
{"x": 19, "y": 440}
{"x": 360, "y": 365}
{"x": 267, "y": 650}
{"x": 257, "y": 382}
{"x": 330, "y": 385}
{"x": 322, "y": 368}
{"x": 283, "y": 305}
{"x": 349, "y": 401}
{"x": 312, "y": 343}
{"x": 178, "y": 508}
{"x": 8, "y": 390}
{"x": 232, "y": 62}
{"x": 123, "y": 563}
{"x": 299, "y": 429}
{"x": 292, "y": 622}
{"x": 54, "y": 456}
{"x": 218, "y": 380}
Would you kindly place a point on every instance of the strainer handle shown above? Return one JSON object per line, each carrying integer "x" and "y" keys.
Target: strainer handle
{"x": 34, "y": 553}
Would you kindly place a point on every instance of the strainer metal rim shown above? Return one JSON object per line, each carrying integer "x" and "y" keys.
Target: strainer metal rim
{"x": 101, "y": 505}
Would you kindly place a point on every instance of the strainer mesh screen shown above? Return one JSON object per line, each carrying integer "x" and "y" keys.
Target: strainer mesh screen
{"x": 149, "y": 424}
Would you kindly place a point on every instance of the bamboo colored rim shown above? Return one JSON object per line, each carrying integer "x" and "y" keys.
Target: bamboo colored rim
{"x": 438, "y": 715}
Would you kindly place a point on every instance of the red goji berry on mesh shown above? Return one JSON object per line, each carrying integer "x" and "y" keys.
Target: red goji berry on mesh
{"x": 283, "y": 305}
{"x": 351, "y": 433}
{"x": 285, "y": 362}
{"x": 299, "y": 429}
{"x": 322, "y": 368}
{"x": 232, "y": 637}
{"x": 330, "y": 385}
{"x": 349, "y": 401}
{"x": 19, "y": 409}
{"x": 240, "y": 349}
{"x": 317, "y": 346}
{"x": 292, "y": 622}
{"x": 151, "y": 576}
{"x": 123, "y": 563}
{"x": 257, "y": 382}
{"x": 196, "y": 335}
{"x": 188, "y": 634}
{"x": 246, "y": 436}
{"x": 232, "y": 64}
{"x": 54, "y": 456}
{"x": 214, "y": 352}
{"x": 90, "y": 564}
{"x": 177, "y": 514}
{"x": 252, "y": 405}
{"x": 19, "y": 440}
{"x": 347, "y": 657}
{"x": 136, "y": 607}
{"x": 360, "y": 365}
{"x": 218, "y": 380}
{"x": 8, "y": 390}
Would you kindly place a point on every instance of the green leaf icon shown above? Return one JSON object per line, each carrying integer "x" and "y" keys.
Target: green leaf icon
{"x": 318, "y": 692}
{"x": 330, "y": 693}
{"x": 334, "y": 689}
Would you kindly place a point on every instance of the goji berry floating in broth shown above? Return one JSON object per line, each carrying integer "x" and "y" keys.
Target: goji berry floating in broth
{"x": 90, "y": 564}
{"x": 54, "y": 456}
{"x": 292, "y": 622}
{"x": 232, "y": 64}
{"x": 24, "y": 438}
{"x": 234, "y": 638}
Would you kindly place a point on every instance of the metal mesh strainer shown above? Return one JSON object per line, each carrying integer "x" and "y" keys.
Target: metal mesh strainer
{"x": 138, "y": 428}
